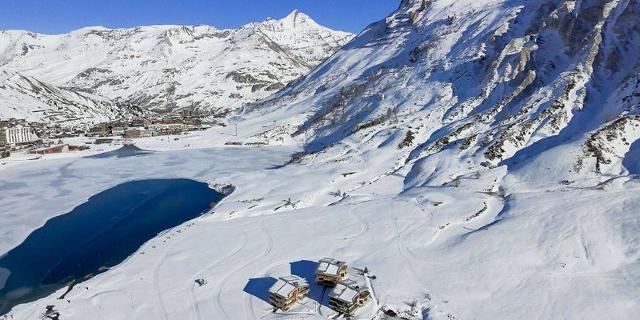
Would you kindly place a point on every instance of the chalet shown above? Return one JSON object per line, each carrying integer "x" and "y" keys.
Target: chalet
{"x": 287, "y": 291}
{"x": 330, "y": 271}
{"x": 141, "y": 122}
{"x": 348, "y": 296}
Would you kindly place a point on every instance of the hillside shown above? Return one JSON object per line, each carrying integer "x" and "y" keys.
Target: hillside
{"x": 24, "y": 97}
{"x": 475, "y": 86}
{"x": 170, "y": 68}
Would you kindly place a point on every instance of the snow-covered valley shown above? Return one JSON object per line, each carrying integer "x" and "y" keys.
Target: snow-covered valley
{"x": 476, "y": 249}
{"x": 480, "y": 159}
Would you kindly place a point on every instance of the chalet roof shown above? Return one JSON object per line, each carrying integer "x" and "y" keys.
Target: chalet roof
{"x": 347, "y": 289}
{"x": 286, "y": 285}
{"x": 343, "y": 293}
{"x": 329, "y": 266}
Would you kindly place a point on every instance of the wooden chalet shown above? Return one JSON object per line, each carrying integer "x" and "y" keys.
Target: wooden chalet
{"x": 348, "y": 296}
{"x": 330, "y": 271}
{"x": 287, "y": 291}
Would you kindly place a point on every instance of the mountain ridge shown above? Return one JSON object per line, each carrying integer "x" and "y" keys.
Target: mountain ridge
{"x": 489, "y": 83}
{"x": 25, "y": 97}
{"x": 167, "y": 68}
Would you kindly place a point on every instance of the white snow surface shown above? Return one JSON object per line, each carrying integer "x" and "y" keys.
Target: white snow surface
{"x": 479, "y": 249}
{"x": 516, "y": 199}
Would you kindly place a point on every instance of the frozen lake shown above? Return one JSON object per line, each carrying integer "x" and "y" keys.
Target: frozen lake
{"x": 98, "y": 234}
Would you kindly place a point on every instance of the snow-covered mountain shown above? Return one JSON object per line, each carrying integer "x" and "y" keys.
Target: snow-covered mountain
{"x": 168, "y": 68}
{"x": 25, "y": 97}
{"x": 478, "y": 84}
{"x": 479, "y": 158}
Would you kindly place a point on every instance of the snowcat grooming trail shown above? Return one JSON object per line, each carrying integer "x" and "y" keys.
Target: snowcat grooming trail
{"x": 330, "y": 272}
{"x": 287, "y": 291}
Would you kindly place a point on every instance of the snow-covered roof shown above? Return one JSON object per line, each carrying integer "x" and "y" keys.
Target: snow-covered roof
{"x": 282, "y": 288}
{"x": 285, "y": 285}
{"x": 343, "y": 293}
{"x": 329, "y": 266}
{"x": 347, "y": 289}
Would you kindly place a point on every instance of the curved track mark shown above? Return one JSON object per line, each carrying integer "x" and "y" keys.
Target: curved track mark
{"x": 267, "y": 251}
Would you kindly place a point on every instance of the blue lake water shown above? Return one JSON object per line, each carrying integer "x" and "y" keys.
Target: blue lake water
{"x": 98, "y": 234}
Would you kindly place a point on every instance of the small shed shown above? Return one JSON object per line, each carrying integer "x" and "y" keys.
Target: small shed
{"x": 287, "y": 291}
{"x": 348, "y": 296}
{"x": 331, "y": 271}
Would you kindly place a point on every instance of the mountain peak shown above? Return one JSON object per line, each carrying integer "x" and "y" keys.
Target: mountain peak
{"x": 297, "y": 18}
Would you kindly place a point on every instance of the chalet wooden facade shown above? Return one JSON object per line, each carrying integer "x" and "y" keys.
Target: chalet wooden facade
{"x": 348, "y": 296}
{"x": 330, "y": 271}
{"x": 287, "y": 291}
{"x": 350, "y": 288}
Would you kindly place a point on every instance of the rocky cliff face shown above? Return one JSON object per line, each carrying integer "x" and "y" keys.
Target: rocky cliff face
{"x": 171, "y": 68}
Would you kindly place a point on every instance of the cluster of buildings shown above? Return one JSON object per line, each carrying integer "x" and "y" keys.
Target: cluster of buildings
{"x": 15, "y": 134}
{"x": 145, "y": 127}
{"x": 349, "y": 292}
{"x": 18, "y": 134}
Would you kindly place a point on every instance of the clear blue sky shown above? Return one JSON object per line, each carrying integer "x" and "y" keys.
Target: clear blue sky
{"x": 60, "y": 16}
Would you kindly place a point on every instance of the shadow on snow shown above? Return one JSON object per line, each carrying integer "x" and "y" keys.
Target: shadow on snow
{"x": 259, "y": 287}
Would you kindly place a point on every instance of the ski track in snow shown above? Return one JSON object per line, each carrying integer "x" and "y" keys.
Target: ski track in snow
{"x": 249, "y": 310}
{"x": 364, "y": 225}
{"x": 224, "y": 279}
{"x": 200, "y": 273}
{"x": 162, "y": 311}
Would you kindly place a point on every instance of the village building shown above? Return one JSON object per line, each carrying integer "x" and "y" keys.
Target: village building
{"x": 330, "y": 271}
{"x": 117, "y": 131}
{"x": 97, "y": 131}
{"x": 60, "y": 148}
{"x": 287, "y": 291}
{"x": 92, "y": 134}
{"x": 348, "y": 296}
{"x": 162, "y": 129}
{"x": 12, "y": 136}
{"x": 137, "y": 133}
